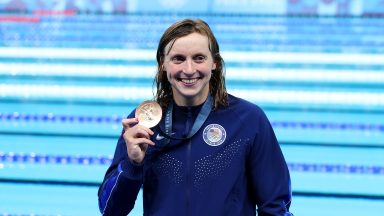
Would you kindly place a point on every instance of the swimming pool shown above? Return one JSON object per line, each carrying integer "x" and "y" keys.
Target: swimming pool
{"x": 66, "y": 83}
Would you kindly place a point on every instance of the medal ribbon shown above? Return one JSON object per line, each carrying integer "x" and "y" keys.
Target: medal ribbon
{"x": 200, "y": 119}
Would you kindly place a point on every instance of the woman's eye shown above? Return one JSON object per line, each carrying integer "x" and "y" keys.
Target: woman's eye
{"x": 199, "y": 59}
{"x": 178, "y": 59}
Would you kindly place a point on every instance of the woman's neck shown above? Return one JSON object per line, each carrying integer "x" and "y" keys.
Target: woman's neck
{"x": 189, "y": 102}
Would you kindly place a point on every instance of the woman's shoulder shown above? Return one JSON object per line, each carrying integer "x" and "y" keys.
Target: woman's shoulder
{"x": 245, "y": 112}
{"x": 243, "y": 104}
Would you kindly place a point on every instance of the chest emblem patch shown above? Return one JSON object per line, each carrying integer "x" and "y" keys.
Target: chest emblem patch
{"x": 214, "y": 134}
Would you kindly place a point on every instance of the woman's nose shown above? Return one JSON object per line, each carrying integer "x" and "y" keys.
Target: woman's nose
{"x": 189, "y": 67}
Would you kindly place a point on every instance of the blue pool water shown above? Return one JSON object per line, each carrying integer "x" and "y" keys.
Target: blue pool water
{"x": 66, "y": 83}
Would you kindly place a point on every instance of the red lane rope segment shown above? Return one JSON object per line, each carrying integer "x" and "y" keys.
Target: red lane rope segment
{"x": 16, "y": 18}
{"x": 54, "y": 12}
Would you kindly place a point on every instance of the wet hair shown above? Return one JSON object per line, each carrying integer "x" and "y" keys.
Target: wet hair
{"x": 217, "y": 82}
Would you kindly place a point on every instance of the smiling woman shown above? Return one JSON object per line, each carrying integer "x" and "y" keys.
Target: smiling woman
{"x": 199, "y": 159}
{"x": 189, "y": 64}
{"x": 196, "y": 54}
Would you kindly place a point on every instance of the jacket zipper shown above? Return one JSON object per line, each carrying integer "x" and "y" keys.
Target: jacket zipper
{"x": 188, "y": 165}
{"x": 189, "y": 178}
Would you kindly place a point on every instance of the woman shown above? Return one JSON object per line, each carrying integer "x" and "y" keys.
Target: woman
{"x": 211, "y": 153}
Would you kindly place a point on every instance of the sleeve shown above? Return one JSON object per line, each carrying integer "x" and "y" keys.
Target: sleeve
{"x": 269, "y": 172}
{"x": 122, "y": 182}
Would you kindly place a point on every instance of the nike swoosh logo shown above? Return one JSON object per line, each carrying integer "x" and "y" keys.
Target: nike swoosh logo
{"x": 159, "y": 137}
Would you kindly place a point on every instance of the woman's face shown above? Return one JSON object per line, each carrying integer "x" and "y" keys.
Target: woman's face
{"x": 189, "y": 65}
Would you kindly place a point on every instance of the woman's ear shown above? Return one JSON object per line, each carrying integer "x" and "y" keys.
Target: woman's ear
{"x": 213, "y": 66}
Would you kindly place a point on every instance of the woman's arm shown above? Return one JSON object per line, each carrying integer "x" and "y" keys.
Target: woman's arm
{"x": 121, "y": 184}
{"x": 269, "y": 172}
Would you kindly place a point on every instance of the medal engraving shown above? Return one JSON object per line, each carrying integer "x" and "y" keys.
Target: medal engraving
{"x": 149, "y": 113}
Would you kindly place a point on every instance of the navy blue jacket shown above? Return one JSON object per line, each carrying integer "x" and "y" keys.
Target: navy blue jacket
{"x": 232, "y": 166}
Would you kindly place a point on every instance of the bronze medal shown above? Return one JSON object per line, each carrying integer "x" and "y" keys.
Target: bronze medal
{"x": 149, "y": 113}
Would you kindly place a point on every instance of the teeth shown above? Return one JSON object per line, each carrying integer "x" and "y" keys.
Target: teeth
{"x": 189, "y": 81}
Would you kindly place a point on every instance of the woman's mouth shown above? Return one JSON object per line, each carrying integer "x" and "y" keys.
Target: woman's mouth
{"x": 188, "y": 81}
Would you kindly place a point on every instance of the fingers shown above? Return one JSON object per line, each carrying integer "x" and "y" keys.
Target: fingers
{"x": 137, "y": 138}
{"x": 129, "y": 122}
{"x": 133, "y": 122}
{"x": 140, "y": 141}
{"x": 135, "y": 134}
{"x": 137, "y": 153}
